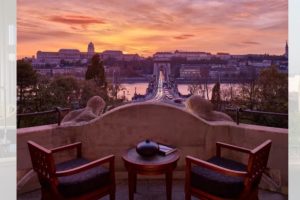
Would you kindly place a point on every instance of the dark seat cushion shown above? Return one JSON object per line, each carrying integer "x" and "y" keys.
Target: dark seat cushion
{"x": 218, "y": 184}
{"x": 83, "y": 182}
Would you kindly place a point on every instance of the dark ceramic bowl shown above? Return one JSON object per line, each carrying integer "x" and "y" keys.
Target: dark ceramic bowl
{"x": 147, "y": 148}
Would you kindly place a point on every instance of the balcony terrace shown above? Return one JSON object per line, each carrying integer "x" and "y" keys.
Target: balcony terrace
{"x": 123, "y": 127}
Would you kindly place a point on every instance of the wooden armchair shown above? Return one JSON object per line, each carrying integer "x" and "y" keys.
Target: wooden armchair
{"x": 74, "y": 179}
{"x": 220, "y": 178}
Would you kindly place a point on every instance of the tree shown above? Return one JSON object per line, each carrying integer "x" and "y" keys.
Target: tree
{"x": 273, "y": 90}
{"x": 64, "y": 89}
{"x": 272, "y": 96}
{"x": 96, "y": 72}
{"x": 248, "y": 90}
{"x": 204, "y": 71}
{"x": 43, "y": 95}
{"x": 216, "y": 96}
{"x": 88, "y": 89}
{"x": 269, "y": 92}
{"x": 114, "y": 89}
{"x": 195, "y": 88}
{"x": 26, "y": 82}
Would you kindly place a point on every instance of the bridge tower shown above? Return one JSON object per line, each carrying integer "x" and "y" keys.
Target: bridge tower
{"x": 165, "y": 66}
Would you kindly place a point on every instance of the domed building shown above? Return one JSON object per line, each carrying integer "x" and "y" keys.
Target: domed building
{"x": 90, "y": 50}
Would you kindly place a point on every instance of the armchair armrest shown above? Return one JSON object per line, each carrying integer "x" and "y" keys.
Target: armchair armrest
{"x": 76, "y": 145}
{"x": 231, "y": 147}
{"x": 191, "y": 160}
{"x": 76, "y": 170}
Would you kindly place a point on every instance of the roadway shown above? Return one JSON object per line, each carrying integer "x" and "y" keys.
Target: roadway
{"x": 163, "y": 93}
{"x": 160, "y": 88}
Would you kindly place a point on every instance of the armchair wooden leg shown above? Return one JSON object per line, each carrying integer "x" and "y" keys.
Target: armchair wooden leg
{"x": 169, "y": 176}
{"x": 134, "y": 180}
{"x": 131, "y": 182}
{"x": 254, "y": 195}
{"x": 188, "y": 196}
{"x": 187, "y": 191}
{"x": 112, "y": 195}
{"x": 187, "y": 188}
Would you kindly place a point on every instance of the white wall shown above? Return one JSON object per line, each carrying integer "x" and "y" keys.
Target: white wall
{"x": 7, "y": 94}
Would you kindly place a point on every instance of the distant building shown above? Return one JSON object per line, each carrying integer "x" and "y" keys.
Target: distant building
{"x": 190, "y": 71}
{"x": 130, "y": 57}
{"x": 78, "y": 72}
{"x": 192, "y": 55}
{"x": 45, "y": 72}
{"x": 242, "y": 63}
{"x": 264, "y": 63}
{"x": 163, "y": 56}
{"x": 43, "y": 58}
{"x": 113, "y": 72}
{"x": 62, "y": 56}
{"x": 69, "y": 55}
{"x": 238, "y": 56}
{"x": 74, "y": 56}
{"x": 223, "y": 56}
{"x": 228, "y": 72}
{"x": 188, "y": 55}
{"x": 118, "y": 55}
{"x": 214, "y": 66}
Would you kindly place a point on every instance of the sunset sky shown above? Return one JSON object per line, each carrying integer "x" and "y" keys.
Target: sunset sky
{"x": 148, "y": 26}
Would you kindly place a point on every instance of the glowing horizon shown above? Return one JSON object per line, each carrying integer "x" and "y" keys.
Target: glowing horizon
{"x": 146, "y": 27}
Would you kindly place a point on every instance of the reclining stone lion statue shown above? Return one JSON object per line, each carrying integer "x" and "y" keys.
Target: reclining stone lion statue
{"x": 93, "y": 109}
{"x": 204, "y": 109}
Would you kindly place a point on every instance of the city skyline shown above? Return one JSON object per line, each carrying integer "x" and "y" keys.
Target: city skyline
{"x": 150, "y": 55}
{"x": 146, "y": 27}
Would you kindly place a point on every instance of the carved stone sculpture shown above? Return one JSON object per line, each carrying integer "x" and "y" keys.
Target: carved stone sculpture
{"x": 93, "y": 109}
{"x": 204, "y": 109}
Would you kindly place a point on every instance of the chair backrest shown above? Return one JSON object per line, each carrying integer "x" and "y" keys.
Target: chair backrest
{"x": 42, "y": 163}
{"x": 257, "y": 163}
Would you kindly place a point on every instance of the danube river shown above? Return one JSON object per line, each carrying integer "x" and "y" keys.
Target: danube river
{"x": 140, "y": 88}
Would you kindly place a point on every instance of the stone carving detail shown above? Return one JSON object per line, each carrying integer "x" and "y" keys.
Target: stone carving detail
{"x": 204, "y": 109}
{"x": 93, "y": 109}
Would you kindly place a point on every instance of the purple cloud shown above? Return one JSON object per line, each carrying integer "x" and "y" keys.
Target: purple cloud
{"x": 76, "y": 19}
{"x": 251, "y": 42}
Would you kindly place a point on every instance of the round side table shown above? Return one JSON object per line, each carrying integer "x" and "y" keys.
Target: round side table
{"x": 156, "y": 165}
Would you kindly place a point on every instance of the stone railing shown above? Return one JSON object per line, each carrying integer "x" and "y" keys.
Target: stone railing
{"x": 123, "y": 127}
